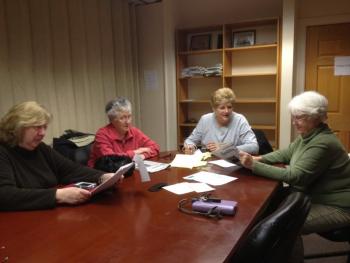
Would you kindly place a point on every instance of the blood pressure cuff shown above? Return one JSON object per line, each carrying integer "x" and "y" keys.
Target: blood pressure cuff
{"x": 224, "y": 207}
{"x": 111, "y": 163}
{"x": 207, "y": 206}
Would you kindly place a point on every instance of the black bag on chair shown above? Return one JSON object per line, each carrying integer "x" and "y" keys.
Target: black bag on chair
{"x": 111, "y": 163}
{"x": 74, "y": 145}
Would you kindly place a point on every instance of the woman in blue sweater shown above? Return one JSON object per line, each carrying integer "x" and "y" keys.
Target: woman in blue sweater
{"x": 222, "y": 126}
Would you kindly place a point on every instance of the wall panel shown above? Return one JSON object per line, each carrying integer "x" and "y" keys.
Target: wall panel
{"x": 6, "y": 92}
{"x": 43, "y": 60}
{"x": 20, "y": 49}
{"x": 70, "y": 56}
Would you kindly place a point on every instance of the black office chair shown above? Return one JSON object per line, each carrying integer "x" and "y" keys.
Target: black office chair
{"x": 264, "y": 144}
{"x": 82, "y": 154}
{"x": 337, "y": 235}
{"x": 69, "y": 149}
{"x": 271, "y": 240}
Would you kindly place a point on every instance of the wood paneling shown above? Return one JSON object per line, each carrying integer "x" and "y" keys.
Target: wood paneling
{"x": 70, "y": 56}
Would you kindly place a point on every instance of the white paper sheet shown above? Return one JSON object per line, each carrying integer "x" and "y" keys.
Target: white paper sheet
{"x": 188, "y": 160}
{"x": 180, "y": 188}
{"x": 342, "y": 65}
{"x": 201, "y": 187}
{"x": 210, "y": 178}
{"x": 153, "y": 167}
{"x": 185, "y": 187}
{"x": 112, "y": 180}
{"x": 223, "y": 163}
{"x": 142, "y": 168}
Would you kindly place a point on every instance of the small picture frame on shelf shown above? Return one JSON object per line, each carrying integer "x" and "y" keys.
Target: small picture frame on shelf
{"x": 219, "y": 41}
{"x": 200, "y": 42}
{"x": 243, "y": 38}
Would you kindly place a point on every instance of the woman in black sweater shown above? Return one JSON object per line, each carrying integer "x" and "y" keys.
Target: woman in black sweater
{"x": 30, "y": 171}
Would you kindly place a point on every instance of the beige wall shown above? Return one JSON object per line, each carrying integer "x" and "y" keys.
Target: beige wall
{"x": 156, "y": 46}
{"x": 287, "y": 70}
{"x": 151, "y": 67}
{"x": 70, "y": 56}
{"x": 193, "y": 13}
{"x": 322, "y": 8}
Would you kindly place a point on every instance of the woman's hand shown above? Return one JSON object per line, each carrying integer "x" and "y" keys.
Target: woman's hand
{"x": 189, "y": 148}
{"x": 246, "y": 159}
{"x": 142, "y": 150}
{"x": 212, "y": 146}
{"x": 72, "y": 195}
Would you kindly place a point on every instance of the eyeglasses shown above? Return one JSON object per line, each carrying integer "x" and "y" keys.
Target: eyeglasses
{"x": 299, "y": 118}
{"x": 124, "y": 118}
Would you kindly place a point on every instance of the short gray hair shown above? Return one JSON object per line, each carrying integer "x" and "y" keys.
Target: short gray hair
{"x": 310, "y": 103}
{"x": 117, "y": 105}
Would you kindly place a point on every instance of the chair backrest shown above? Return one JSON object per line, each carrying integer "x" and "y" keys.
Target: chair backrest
{"x": 271, "y": 240}
{"x": 111, "y": 163}
{"x": 264, "y": 145}
{"x": 74, "y": 145}
{"x": 82, "y": 154}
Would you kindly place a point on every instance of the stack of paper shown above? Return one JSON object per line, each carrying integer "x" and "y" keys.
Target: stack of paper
{"x": 213, "y": 71}
{"x": 192, "y": 71}
{"x": 188, "y": 160}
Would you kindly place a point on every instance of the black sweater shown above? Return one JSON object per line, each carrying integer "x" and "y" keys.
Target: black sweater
{"x": 28, "y": 179}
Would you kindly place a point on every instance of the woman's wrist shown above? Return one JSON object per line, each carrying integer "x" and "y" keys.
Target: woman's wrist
{"x": 257, "y": 158}
{"x": 58, "y": 196}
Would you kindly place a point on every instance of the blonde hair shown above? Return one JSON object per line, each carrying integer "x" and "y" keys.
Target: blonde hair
{"x": 223, "y": 95}
{"x": 25, "y": 114}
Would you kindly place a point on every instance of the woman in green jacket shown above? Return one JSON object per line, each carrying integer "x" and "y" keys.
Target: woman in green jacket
{"x": 316, "y": 164}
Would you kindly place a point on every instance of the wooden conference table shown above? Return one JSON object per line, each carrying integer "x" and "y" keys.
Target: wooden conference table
{"x": 132, "y": 224}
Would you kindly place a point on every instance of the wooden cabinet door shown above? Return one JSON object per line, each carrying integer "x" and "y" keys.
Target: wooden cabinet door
{"x": 324, "y": 43}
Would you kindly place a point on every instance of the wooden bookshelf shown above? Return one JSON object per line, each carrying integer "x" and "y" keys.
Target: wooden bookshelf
{"x": 251, "y": 70}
